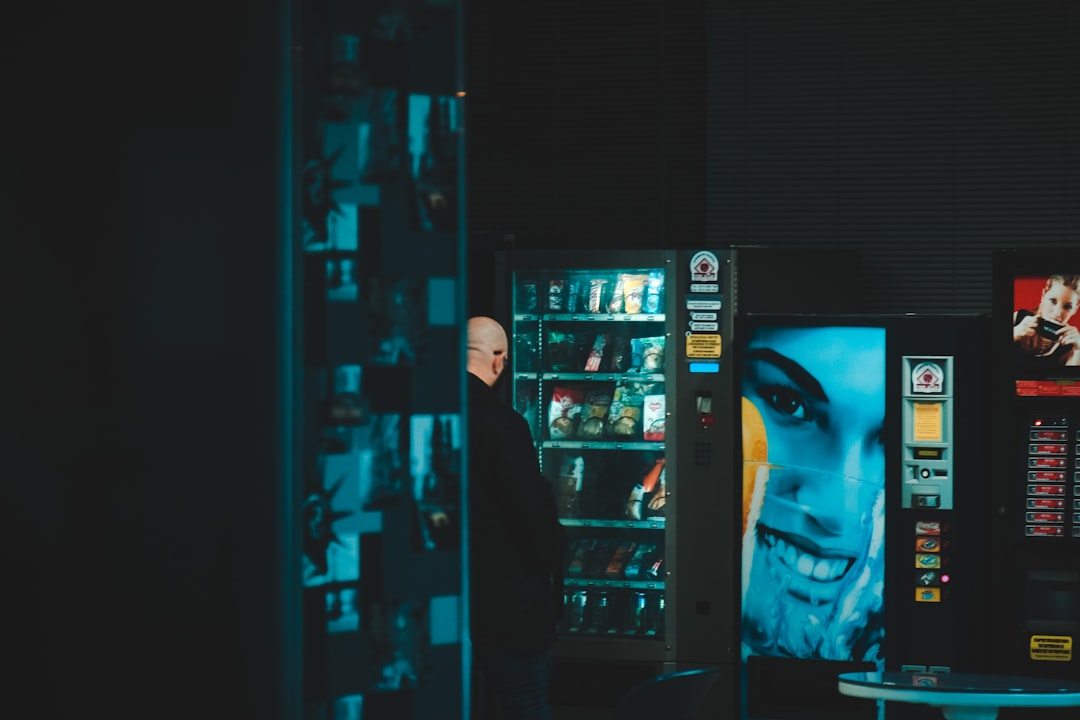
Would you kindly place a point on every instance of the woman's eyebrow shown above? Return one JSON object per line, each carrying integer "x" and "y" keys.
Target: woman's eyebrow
{"x": 792, "y": 369}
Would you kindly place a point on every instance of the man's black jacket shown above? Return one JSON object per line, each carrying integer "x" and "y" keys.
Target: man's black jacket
{"x": 517, "y": 544}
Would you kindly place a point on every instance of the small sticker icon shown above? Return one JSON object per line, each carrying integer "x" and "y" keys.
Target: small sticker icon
{"x": 704, "y": 267}
{"x": 928, "y": 379}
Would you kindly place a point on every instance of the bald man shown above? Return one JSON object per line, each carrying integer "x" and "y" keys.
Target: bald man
{"x": 517, "y": 544}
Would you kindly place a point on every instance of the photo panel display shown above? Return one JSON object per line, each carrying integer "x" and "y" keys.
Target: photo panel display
{"x": 1045, "y": 324}
{"x": 813, "y": 504}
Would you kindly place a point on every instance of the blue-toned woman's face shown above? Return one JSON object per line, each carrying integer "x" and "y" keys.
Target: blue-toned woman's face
{"x": 811, "y": 555}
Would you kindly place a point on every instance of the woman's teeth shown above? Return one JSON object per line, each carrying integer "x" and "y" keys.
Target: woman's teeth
{"x": 806, "y": 564}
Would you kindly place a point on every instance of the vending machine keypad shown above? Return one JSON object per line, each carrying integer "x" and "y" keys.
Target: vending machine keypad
{"x": 1049, "y": 457}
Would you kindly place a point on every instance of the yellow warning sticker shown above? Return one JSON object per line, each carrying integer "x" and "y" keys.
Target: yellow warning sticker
{"x": 700, "y": 345}
{"x": 1051, "y": 648}
{"x": 927, "y": 422}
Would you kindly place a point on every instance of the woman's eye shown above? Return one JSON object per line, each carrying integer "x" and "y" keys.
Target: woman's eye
{"x": 787, "y": 401}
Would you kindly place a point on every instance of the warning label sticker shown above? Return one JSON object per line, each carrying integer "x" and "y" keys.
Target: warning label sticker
{"x": 1052, "y": 648}
{"x": 702, "y": 346}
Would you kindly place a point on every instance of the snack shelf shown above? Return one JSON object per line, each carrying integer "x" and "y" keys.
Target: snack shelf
{"x": 597, "y": 376}
{"x": 614, "y": 584}
{"x": 591, "y": 317}
{"x": 654, "y": 523}
{"x": 600, "y": 445}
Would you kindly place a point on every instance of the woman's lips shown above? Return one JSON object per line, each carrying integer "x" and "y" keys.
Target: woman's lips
{"x": 814, "y": 568}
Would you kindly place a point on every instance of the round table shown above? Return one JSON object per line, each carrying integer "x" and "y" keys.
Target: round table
{"x": 961, "y": 696}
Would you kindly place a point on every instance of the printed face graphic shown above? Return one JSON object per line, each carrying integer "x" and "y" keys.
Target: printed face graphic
{"x": 1058, "y": 303}
{"x": 812, "y": 565}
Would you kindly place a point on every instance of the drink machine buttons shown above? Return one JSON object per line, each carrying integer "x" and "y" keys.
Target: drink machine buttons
{"x": 931, "y": 561}
{"x": 1048, "y": 468}
{"x": 928, "y": 433}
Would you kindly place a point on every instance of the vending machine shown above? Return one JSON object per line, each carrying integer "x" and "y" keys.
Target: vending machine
{"x": 864, "y": 502}
{"x": 1036, "y": 581}
{"x": 622, "y": 363}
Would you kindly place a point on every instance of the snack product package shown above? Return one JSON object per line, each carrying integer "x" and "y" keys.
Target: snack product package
{"x": 653, "y": 291}
{"x": 596, "y": 295}
{"x": 571, "y": 474}
{"x": 618, "y": 357}
{"x": 594, "y": 416}
{"x": 528, "y": 298}
{"x": 525, "y": 404}
{"x": 573, "y": 295}
{"x": 615, "y": 305}
{"x": 647, "y": 354}
{"x": 653, "y": 418}
{"x": 624, "y": 416}
{"x": 592, "y": 364}
{"x": 562, "y": 352}
{"x": 633, "y": 286}
{"x": 555, "y": 295}
{"x": 564, "y": 411}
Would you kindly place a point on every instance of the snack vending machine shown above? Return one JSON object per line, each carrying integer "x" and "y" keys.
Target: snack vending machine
{"x": 619, "y": 362}
{"x": 1036, "y": 596}
{"x": 864, "y": 504}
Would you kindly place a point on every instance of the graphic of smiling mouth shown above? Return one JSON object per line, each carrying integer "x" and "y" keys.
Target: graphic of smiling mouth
{"x": 805, "y": 558}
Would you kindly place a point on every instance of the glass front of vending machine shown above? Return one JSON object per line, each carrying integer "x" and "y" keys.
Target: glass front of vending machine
{"x": 616, "y": 363}
{"x": 1036, "y": 594}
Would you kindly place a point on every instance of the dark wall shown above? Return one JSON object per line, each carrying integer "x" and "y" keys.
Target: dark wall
{"x": 927, "y": 134}
{"x": 140, "y": 423}
{"x": 586, "y": 127}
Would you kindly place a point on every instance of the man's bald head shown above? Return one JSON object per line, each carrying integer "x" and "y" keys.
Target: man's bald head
{"x": 487, "y": 349}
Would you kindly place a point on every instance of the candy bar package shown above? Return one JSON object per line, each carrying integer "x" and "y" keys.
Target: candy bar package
{"x": 573, "y": 296}
{"x": 564, "y": 411}
{"x": 596, "y": 295}
{"x": 596, "y": 355}
{"x": 617, "y": 301}
{"x": 641, "y": 559}
{"x": 622, "y": 554}
{"x": 601, "y": 554}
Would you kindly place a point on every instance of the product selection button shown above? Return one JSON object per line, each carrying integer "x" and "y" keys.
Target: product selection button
{"x": 1045, "y": 531}
{"x": 928, "y": 594}
{"x": 1045, "y": 517}
{"x": 928, "y": 578}
{"x": 927, "y": 545}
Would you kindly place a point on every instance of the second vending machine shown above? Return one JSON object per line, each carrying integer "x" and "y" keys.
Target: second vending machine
{"x": 618, "y": 363}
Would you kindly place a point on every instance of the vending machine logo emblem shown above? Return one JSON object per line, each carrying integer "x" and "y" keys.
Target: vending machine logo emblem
{"x": 928, "y": 379}
{"x": 704, "y": 267}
